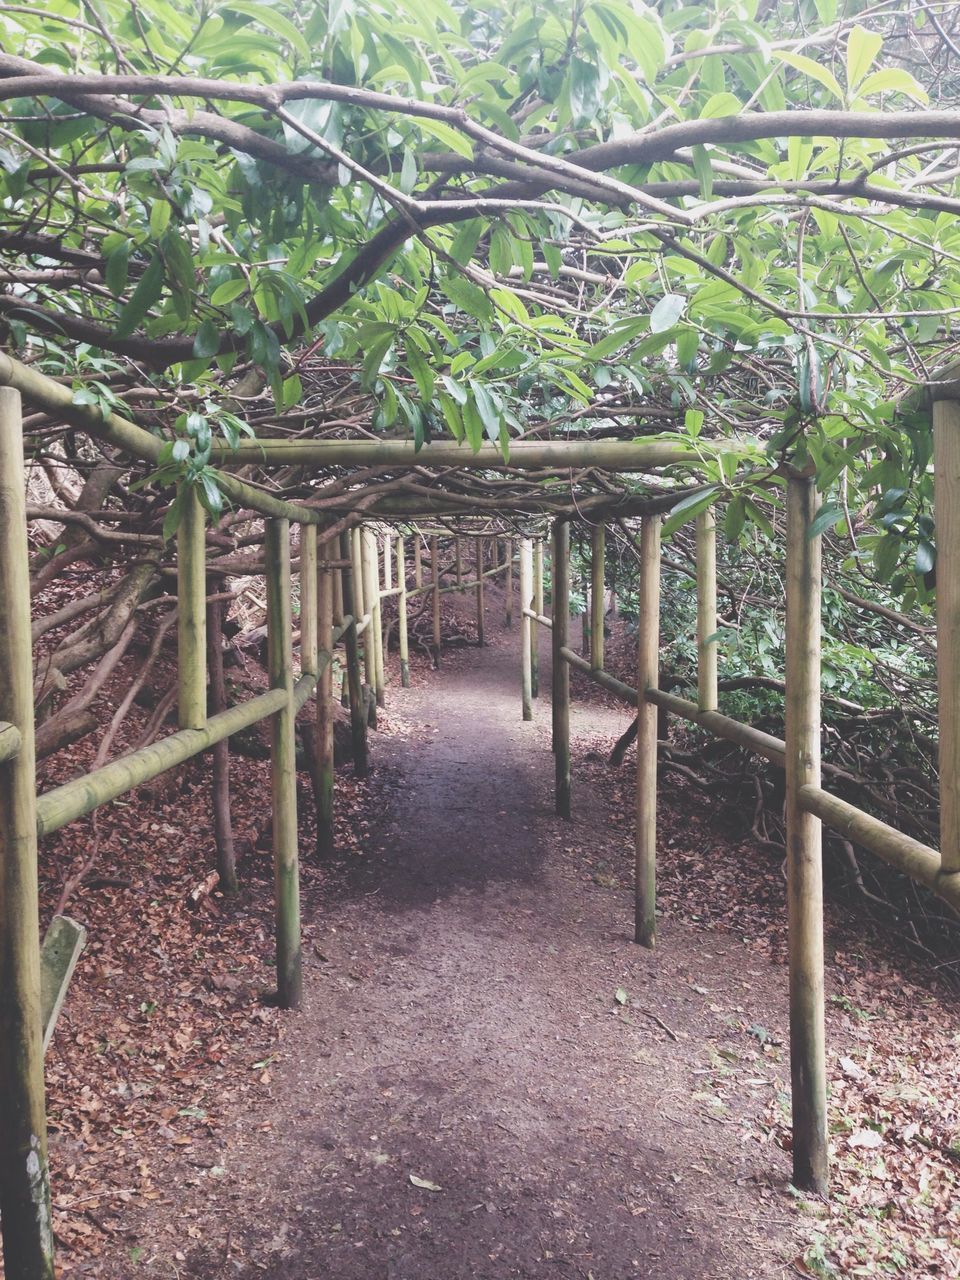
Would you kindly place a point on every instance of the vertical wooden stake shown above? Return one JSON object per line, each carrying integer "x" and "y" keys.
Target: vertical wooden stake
{"x": 537, "y": 607}
{"x": 309, "y": 644}
{"x": 804, "y": 865}
{"x": 358, "y": 715}
{"x": 402, "y": 616}
{"x": 220, "y": 790}
{"x": 191, "y": 614}
{"x": 508, "y": 586}
{"x": 526, "y": 575}
{"x": 417, "y": 562}
{"x": 458, "y": 559}
{"x": 648, "y": 661}
{"x": 946, "y": 475}
{"x": 707, "y": 611}
{"x": 24, "y": 1179}
{"x": 283, "y": 766}
{"x": 324, "y": 785}
{"x": 362, "y": 604}
{"x": 598, "y": 551}
{"x": 371, "y": 594}
{"x": 561, "y": 668}
{"x": 435, "y": 558}
{"x": 387, "y": 562}
{"x": 481, "y": 639}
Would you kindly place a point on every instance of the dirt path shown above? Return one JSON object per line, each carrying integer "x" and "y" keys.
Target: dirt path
{"x": 463, "y": 1028}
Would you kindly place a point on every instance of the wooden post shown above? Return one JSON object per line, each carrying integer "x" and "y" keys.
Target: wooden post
{"x": 324, "y": 782}
{"x": 220, "y": 754}
{"x": 804, "y": 863}
{"x": 387, "y": 562}
{"x": 481, "y": 639}
{"x": 435, "y": 557}
{"x": 191, "y": 614}
{"x": 362, "y": 605}
{"x": 707, "y": 611}
{"x": 417, "y": 562}
{"x": 402, "y": 616}
{"x": 458, "y": 559}
{"x": 24, "y": 1178}
{"x": 561, "y": 670}
{"x": 648, "y": 661}
{"x": 371, "y": 595}
{"x": 309, "y": 613}
{"x": 508, "y": 585}
{"x": 526, "y": 594}
{"x": 283, "y": 766}
{"x": 946, "y": 475}
{"x": 339, "y": 615}
{"x": 538, "y": 609}
{"x": 598, "y": 550}
{"x": 358, "y": 718}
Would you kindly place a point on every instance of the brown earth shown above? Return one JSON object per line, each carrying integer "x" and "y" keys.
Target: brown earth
{"x": 478, "y": 1019}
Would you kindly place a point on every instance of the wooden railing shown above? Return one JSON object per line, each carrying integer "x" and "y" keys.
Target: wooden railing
{"x": 808, "y": 804}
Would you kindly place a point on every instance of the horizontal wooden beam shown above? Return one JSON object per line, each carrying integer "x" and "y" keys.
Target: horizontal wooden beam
{"x": 910, "y": 856}
{"x": 73, "y": 799}
{"x": 10, "y": 740}
{"x": 524, "y": 455}
{"x": 57, "y": 399}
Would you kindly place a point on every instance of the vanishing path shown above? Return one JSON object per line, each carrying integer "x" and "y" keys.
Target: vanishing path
{"x": 462, "y": 1027}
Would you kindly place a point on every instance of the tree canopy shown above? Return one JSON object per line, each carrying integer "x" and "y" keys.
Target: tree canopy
{"x": 497, "y": 220}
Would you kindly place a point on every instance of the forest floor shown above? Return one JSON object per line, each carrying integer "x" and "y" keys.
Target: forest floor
{"x": 488, "y": 1078}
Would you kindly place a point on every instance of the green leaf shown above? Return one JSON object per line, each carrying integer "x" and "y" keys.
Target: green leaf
{"x": 275, "y": 22}
{"x": 687, "y": 508}
{"x": 721, "y": 104}
{"x": 667, "y": 312}
{"x": 148, "y": 290}
{"x": 703, "y": 169}
{"x": 812, "y": 69}
{"x": 206, "y": 343}
{"x": 892, "y": 80}
{"x": 862, "y": 49}
{"x": 117, "y": 267}
{"x": 829, "y": 515}
{"x": 227, "y": 292}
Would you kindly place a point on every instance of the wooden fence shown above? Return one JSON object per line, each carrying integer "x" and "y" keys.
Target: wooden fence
{"x": 363, "y": 582}
{"x": 807, "y": 803}
{"x": 342, "y": 586}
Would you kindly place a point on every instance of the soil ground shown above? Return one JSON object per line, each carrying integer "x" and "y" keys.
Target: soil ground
{"x": 488, "y": 1078}
{"x": 479, "y": 1019}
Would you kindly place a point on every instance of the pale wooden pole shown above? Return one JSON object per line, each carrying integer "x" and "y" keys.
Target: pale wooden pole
{"x": 538, "y": 610}
{"x": 191, "y": 614}
{"x": 561, "y": 669}
{"x": 526, "y": 593}
{"x": 804, "y": 858}
{"x": 362, "y": 606}
{"x": 358, "y": 716}
{"x": 283, "y": 766}
{"x": 648, "y": 662}
{"x": 481, "y": 639}
{"x": 435, "y": 557}
{"x": 24, "y": 1178}
{"x": 309, "y": 643}
{"x": 325, "y": 772}
{"x": 458, "y": 559}
{"x": 371, "y": 595}
{"x": 417, "y": 562}
{"x": 402, "y": 616}
{"x": 946, "y": 475}
{"x": 387, "y": 562}
{"x": 509, "y": 581}
{"x": 598, "y": 550}
{"x": 707, "y": 611}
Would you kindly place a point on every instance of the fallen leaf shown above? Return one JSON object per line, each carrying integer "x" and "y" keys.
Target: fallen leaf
{"x": 424, "y": 1184}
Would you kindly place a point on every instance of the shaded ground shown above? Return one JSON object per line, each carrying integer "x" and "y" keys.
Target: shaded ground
{"x": 479, "y": 1019}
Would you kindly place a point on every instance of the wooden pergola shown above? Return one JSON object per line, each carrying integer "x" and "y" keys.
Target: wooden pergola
{"x": 342, "y": 582}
